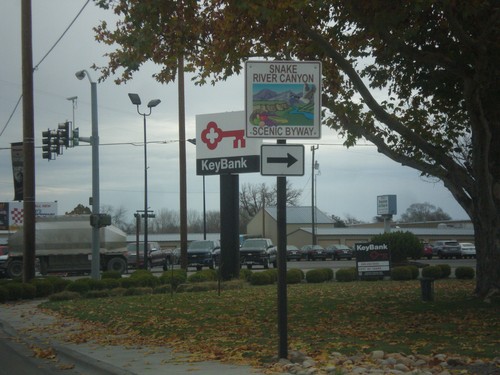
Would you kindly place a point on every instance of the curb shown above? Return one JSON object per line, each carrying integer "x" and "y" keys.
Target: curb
{"x": 81, "y": 362}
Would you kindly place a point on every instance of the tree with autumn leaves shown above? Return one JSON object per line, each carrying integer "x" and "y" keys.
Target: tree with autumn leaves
{"x": 419, "y": 79}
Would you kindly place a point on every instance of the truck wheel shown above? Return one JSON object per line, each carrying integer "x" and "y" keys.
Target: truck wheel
{"x": 14, "y": 269}
{"x": 266, "y": 263}
{"x": 117, "y": 264}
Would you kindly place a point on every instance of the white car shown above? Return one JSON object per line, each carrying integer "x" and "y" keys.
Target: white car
{"x": 468, "y": 250}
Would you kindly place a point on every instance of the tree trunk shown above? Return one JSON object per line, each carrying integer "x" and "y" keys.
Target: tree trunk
{"x": 487, "y": 239}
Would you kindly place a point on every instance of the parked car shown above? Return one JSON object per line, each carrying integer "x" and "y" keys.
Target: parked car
{"x": 313, "y": 252}
{"x": 155, "y": 257}
{"x": 468, "y": 250}
{"x": 258, "y": 251}
{"x": 428, "y": 251}
{"x": 293, "y": 252}
{"x": 447, "y": 249}
{"x": 202, "y": 254}
{"x": 173, "y": 257}
{"x": 337, "y": 252}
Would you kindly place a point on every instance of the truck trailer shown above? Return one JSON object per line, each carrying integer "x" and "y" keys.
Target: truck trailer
{"x": 64, "y": 244}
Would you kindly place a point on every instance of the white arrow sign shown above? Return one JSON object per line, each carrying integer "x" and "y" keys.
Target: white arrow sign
{"x": 282, "y": 160}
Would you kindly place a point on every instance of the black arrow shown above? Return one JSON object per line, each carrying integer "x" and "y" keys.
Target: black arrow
{"x": 289, "y": 160}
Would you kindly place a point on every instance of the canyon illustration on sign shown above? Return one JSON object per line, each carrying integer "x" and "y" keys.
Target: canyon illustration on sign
{"x": 283, "y": 99}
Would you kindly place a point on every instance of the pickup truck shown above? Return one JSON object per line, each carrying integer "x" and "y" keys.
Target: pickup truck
{"x": 202, "y": 254}
{"x": 258, "y": 251}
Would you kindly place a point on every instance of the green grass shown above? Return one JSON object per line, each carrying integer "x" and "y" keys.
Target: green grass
{"x": 241, "y": 325}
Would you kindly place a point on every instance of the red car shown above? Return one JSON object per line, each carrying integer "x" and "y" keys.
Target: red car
{"x": 428, "y": 251}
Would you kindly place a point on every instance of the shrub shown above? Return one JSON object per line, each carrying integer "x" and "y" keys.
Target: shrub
{"x": 294, "y": 276}
{"x": 445, "y": 270}
{"x": 401, "y": 273}
{"x": 59, "y": 284}
{"x": 261, "y": 278}
{"x": 97, "y": 294}
{"x": 111, "y": 283}
{"x": 97, "y": 284}
{"x": 111, "y": 275}
{"x": 273, "y": 273}
{"x": 203, "y": 275}
{"x": 4, "y": 294}
{"x": 414, "y": 272}
{"x": 129, "y": 282}
{"x": 318, "y": 275}
{"x": 464, "y": 273}
{"x": 433, "y": 272}
{"x": 28, "y": 291}
{"x": 402, "y": 245}
{"x": 79, "y": 286}
{"x": 346, "y": 274}
{"x": 14, "y": 290}
{"x": 64, "y": 296}
{"x": 44, "y": 287}
{"x": 141, "y": 273}
{"x": 246, "y": 274}
{"x": 147, "y": 281}
{"x": 174, "y": 278}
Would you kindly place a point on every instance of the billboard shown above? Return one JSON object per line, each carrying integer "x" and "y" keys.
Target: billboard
{"x": 283, "y": 99}
{"x": 386, "y": 205}
{"x": 12, "y": 213}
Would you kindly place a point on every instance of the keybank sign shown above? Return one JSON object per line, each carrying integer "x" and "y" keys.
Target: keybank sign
{"x": 373, "y": 260}
{"x": 222, "y": 146}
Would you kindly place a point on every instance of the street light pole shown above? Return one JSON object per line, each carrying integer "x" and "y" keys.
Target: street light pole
{"x": 136, "y": 100}
{"x": 313, "y": 213}
{"x": 94, "y": 140}
{"x": 193, "y": 141}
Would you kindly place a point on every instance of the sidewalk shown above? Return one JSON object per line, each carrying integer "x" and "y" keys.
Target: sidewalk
{"x": 24, "y": 320}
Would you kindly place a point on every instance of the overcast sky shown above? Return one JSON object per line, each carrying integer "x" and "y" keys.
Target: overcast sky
{"x": 349, "y": 180}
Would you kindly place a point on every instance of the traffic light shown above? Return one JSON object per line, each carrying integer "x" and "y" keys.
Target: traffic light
{"x": 76, "y": 137}
{"x": 64, "y": 132}
{"x": 47, "y": 144}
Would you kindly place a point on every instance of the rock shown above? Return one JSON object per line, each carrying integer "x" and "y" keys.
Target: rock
{"x": 378, "y": 354}
{"x": 308, "y": 363}
{"x": 401, "y": 367}
{"x": 296, "y": 357}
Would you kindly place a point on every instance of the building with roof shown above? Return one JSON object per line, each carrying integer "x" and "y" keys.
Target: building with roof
{"x": 299, "y": 228}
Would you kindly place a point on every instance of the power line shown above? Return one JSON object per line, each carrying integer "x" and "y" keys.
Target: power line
{"x": 43, "y": 58}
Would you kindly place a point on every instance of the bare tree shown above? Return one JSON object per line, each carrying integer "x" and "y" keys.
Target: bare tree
{"x": 423, "y": 212}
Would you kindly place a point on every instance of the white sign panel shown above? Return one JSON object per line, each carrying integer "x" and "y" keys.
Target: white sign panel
{"x": 282, "y": 160}
{"x": 222, "y": 147}
{"x": 283, "y": 99}
{"x": 386, "y": 205}
{"x": 16, "y": 212}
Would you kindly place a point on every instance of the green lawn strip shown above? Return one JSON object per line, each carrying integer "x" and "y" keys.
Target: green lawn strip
{"x": 344, "y": 317}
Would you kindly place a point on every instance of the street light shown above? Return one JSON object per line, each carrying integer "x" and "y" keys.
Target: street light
{"x": 193, "y": 141}
{"x": 136, "y": 100}
{"x": 94, "y": 141}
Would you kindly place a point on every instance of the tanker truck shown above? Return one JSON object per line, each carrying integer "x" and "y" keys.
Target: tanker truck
{"x": 64, "y": 244}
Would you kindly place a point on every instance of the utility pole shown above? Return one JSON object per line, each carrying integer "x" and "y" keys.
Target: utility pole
{"x": 28, "y": 145}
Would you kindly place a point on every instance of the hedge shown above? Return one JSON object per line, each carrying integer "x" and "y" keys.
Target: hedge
{"x": 434, "y": 272}
{"x": 346, "y": 274}
{"x": 464, "y": 273}
{"x": 401, "y": 273}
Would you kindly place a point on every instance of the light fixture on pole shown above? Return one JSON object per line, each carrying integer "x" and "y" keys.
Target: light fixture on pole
{"x": 136, "y": 100}
{"x": 94, "y": 140}
{"x": 193, "y": 141}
